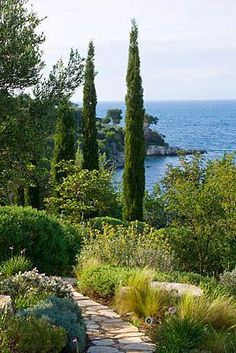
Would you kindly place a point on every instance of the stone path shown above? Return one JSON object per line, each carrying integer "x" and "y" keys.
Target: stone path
{"x": 108, "y": 332}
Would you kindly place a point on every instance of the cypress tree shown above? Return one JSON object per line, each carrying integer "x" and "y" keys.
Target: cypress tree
{"x": 134, "y": 172}
{"x": 64, "y": 140}
{"x": 89, "y": 129}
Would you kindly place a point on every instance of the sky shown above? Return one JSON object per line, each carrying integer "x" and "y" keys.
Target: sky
{"x": 187, "y": 47}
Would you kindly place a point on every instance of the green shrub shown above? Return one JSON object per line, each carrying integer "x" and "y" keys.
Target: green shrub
{"x": 15, "y": 265}
{"x": 99, "y": 222}
{"x": 140, "y": 299}
{"x": 74, "y": 235}
{"x": 102, "y": 280}
{"x": 42, "y": 237}
{"x": 219, "y": 312}
{"x": 29, "y": 287}
{"x": 228, "y": 279}
{"x": 220, "y": 342}
{"x": 63, "y": 313}
{"x": 180, "y": 336}
{"x": 84, "y": 194}
{"x": 134, "y": 246}
{"x": 200, "y": 202}
{"x": 30, "y": 335}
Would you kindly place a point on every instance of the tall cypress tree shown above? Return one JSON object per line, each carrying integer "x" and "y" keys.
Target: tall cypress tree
{"x": 64, "y": 140}
{"x": 89, "y": 129}
{"x": 134, "y": 172}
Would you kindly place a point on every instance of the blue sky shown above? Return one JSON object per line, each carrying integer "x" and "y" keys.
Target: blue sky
{"x": 187, "y": 47}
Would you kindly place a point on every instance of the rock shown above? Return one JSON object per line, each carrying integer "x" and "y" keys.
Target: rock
{"x": 103, "y": 349}
{"x": 155, "y": 150}
{"x": 179, "y": 288}
{"x": 139, "y": 347}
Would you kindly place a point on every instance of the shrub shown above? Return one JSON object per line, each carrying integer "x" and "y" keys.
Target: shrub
{"x": 200, "y": 201}
{"x": 84, "y": 194}
{"x": 140, "y": 299}
{"x": 153, "y": 208}
{"x": 102, "y": 280}
{"x": 220, "y": 342}
{"x": 20, "y": 335}
{"x": 220, "y": 312}
{"x": 127, "y": 246}
{"x": 29, "y": 287}
{"x": 14, "y": 265}
{"x": 180, "y": 336}
{"x": 63, "y": 313}
{"x": 99, "y": 222}
{"x": 228, "y": 279}
{"x": 42, "y": 237}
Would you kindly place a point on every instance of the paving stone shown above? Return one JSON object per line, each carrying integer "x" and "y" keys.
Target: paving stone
{"x": 103, "y": 349}
{"x": 139, "y": 347}
{"x": 108, "y": 332}
{"x": 128, "y": 340}
{"x": 104, "y": 342}
{"x": 129, "y": 334}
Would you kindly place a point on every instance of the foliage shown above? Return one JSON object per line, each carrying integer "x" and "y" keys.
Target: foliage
{"x": 115, "y": 115}
{"x": 64, "y": 141}
{"x": 134, "y": 173}
{"x": 98, "y": 223}
{"x": 62, "y": 313}
{"x": 28, "y": 287}
{"x": 218, "y": 312}
{"x": 20, "y": 335}
{"x": 89, "y": 141}
{"x": 150, "y": 120}
{"x": 140, "y": 299}
{"x": 205, "y": 323}
{"x": 127, "y": 246}
{"x": 37, "y": 233}
{"x": 228, "y": 279}
{"x": 154, "y": 213}
{"x": 20, "y": 54}
{"x": 201, "y": 209}
{"x": 220, "y": 341}
{"x": 84, "y": 194}
{"x": 102, "y": 280}
{"x": 15, "y": 265}
{"x": 62, "y": 80}
{"x": 180, "y": 336}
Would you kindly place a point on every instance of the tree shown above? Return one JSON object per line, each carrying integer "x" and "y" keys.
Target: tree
{"x": 89, "y": 139}
{"x": 134, "y": 173}
{"x": 20, "y": 54}
{"x": 26, "y": 127}
{"x": 115, "y": 116}
{"x": 149, "y": 120}
{"x": 200, "y": 201}
{"x": 64, "y": 141}
{"x": 84, "y": 194}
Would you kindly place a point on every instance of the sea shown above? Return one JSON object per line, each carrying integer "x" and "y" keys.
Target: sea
{"x": 208, "y": 125}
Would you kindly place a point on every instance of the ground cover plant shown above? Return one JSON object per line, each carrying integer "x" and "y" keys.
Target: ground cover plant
{"x": 42, "y": 304}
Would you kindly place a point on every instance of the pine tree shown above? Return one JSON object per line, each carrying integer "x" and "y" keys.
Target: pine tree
{"x": 64, "y": 140}
{"x": 134, "y": 172}
{"x": 89, "y": 129}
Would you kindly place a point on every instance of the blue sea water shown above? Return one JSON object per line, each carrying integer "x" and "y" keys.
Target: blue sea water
{"x": 208, "y": 125}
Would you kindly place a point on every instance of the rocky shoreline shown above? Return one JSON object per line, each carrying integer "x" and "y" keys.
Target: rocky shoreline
{"x": 154, "y": 150}
{"x": 157, "y": 151}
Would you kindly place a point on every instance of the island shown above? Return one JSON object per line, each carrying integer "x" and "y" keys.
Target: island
{"x": 111, "y": 139}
